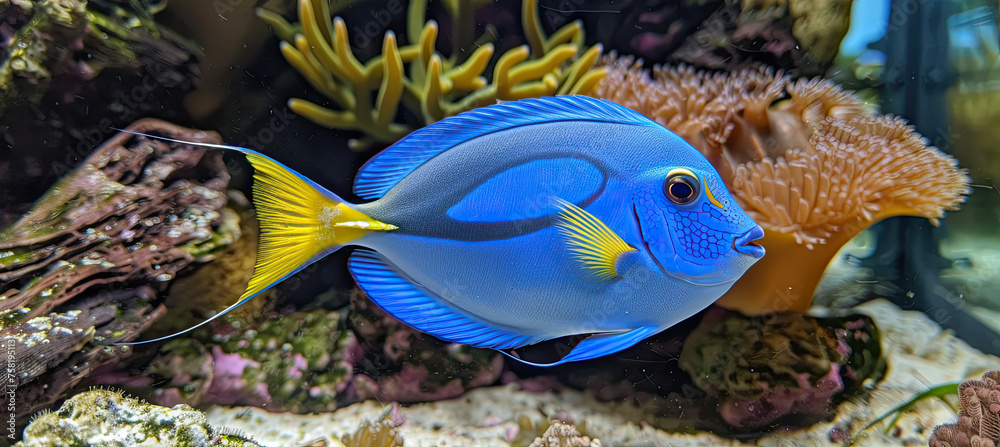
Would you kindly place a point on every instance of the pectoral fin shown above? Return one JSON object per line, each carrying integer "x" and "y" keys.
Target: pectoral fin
{"x": 601, "y": 345}
{"x": 595, "y": 248}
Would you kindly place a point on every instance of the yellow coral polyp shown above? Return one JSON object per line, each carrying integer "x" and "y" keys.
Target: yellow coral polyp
{"x": 367, "y": 96}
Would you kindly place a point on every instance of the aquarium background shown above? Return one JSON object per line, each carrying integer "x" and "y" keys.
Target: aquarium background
{"x": 872, "y": 320}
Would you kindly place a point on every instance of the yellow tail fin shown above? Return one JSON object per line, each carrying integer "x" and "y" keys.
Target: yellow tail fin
{"x": 298, "y": 222}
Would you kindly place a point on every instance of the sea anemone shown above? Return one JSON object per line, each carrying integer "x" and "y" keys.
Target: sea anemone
{"x": 812, "y": 164}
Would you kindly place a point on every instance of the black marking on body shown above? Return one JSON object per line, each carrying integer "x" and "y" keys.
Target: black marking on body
{"x": 418, "y": 204}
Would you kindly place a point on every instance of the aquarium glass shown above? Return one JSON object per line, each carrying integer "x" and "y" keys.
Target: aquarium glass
{"x": 572, "y": 223}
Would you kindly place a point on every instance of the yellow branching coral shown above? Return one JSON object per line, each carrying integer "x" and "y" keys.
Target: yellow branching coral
{"x": 367, "y": 96}
{"x": 808, "y": 161}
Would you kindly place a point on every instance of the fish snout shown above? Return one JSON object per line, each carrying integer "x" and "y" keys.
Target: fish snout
{"x": 745, "y": 244}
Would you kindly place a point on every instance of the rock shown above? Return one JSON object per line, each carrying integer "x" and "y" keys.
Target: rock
{"x": 108, "y": 418}
{"x": 818, "y": 26}
{"x": 54, "y": 47}
{"x": 797, "y": 35}
{"x": 219, "y": 283}
{"x": 919, "y": 355}
{"x": 775, "y": 368}
{"x": 397, "y": 363}
{"x": 70, "y": 70}
{"x": 84, "y": 267}
{"x": 341, "y": 357}
{"x": 41, "y": 37}
{"x": 295, "y": 363}
{"x": 564, "y": 435}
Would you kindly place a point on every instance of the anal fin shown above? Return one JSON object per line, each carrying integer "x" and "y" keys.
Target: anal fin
{"x": 423, "y": 310}
{"x": 600, "y": 345}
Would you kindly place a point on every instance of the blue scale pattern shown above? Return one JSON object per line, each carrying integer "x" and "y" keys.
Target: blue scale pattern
{"x": 698, "y": 238}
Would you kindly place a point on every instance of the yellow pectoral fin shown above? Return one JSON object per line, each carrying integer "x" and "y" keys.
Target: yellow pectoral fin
{"x": 594, "y": 246}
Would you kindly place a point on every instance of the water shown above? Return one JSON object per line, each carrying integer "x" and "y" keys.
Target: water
{"x": 859, "y": 306}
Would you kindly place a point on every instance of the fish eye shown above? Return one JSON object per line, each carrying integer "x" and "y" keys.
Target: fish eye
{"x": 681, "y": 186}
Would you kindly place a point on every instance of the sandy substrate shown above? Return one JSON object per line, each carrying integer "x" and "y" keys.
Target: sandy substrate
{"x": 919, "y": 353}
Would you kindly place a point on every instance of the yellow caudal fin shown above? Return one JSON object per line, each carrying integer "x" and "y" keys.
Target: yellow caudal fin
{"x": 300, "y": 222}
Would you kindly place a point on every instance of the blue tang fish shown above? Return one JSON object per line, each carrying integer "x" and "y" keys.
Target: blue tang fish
{"x": 520, "y": 222}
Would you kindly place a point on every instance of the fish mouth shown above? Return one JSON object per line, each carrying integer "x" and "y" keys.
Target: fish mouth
{"x": 745, "y": 244}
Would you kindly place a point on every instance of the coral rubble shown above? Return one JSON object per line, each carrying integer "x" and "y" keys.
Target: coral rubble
{"x": 102, "y": 417}
{"x": 369, "y": 95}
{"x": 398, "y": 363}
{"x": 563, "y": 435}
{"x": 978, "y": 422}
{"x": 919, "y": 351}
{"x": 295, "y": 363}
{"x": 780, "y": 366}
{"x": 305, "y": 362}
{"x": 83, "y": 268}
{"x": 807, "y": 160}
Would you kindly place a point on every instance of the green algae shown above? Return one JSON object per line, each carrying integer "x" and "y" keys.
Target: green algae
{"x": 281, "y": 346}
{"x": 13, "y": 256}
{"x": 110, "y": 34}
{"x": 104, "y": 417}
{"x": 218, "y": 240}
{"x": 938, "y": 391}
{"x": 277, "y": 358}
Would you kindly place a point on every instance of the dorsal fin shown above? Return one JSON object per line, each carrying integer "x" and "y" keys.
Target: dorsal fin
{"x": 383, "y": 171}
